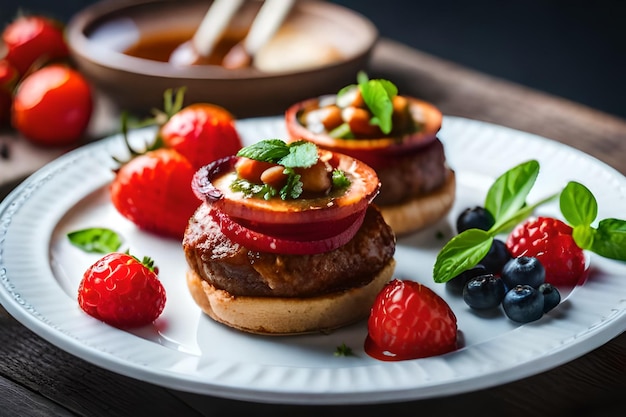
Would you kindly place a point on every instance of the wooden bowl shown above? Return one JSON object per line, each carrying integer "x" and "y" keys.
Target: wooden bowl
{"x": 319, "y": 49}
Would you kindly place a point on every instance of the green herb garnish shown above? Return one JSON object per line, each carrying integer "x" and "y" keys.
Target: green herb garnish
{"x": 344, "y": 350}
{"x": 580, "y": 209}
{"x": 506, "y": 201}
{"x": 300, "y": 154}
{"x": 95, "y": 240}
{"x": 377, "y": 95}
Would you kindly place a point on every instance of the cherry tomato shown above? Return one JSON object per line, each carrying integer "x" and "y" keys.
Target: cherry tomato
{"x": 33, "y": 40}
{"x": 52, "y": 106}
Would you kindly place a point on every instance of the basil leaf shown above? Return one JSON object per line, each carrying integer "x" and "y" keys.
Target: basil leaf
{"x": 302, "y": 154}
{"x": 95, "y": 240}
{"x": 583, "y": 235}
{"x": 378, "y": 101}
{"x": 609, "y": 239}
{"x": 578, "y": 205}
{"x": 508, "y": 193}
{"x": 269, "y": 150}
{"x": 462, "y": 252}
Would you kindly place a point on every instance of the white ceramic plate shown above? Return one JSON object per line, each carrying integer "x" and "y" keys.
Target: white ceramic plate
{"x": 40, "y": 272}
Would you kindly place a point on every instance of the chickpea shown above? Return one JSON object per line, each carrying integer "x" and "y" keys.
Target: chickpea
{"x": 359, "y": 121}
{"x": 251, "y": 170}
{"x": 402, "y": 119}
{"x": 351, "y": 98}
{"x": 315, "y": 179}
{"x": 324, "y": 118}
{"x": 274, "y": 176}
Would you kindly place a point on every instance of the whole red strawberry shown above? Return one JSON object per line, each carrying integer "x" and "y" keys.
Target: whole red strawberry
{"x": 408, "y": 321}
{"x": 122, "y": 291}
{"x": 153, "y": 190}
{"x": 202, "y": 133}
{"x": 549, "y": 240}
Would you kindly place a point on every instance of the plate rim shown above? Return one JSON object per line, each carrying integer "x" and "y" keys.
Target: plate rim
{"x": 65, "y": 341}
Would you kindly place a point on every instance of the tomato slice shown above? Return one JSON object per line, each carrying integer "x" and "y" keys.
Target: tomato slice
{"x": 258, "y": 241}
{"x": 374, "y": 152}
{"x": 212, "y": 184}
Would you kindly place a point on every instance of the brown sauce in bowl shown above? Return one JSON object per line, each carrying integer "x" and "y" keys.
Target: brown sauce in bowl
{"x": 159, "y": 47}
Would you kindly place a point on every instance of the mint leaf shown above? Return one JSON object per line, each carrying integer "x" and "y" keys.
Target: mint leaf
{"x": 609, "y": 239}
{"x": 95, "y": 240}
{"x": 302, "y": 154}
{"x": 508, "y": 193}
{"x": 578, "y": 205}
{"x": 269, "y": 150}
{"x": 462, "y": 252}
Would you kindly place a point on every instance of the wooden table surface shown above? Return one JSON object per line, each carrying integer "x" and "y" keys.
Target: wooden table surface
{"x": 38, "y": 379}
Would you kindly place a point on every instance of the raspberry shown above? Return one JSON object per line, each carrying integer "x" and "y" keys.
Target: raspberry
{"x": 549, "y": 240}
{"x": 122, "y": 291}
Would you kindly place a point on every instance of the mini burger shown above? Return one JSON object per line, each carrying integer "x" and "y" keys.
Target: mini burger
{"x": 286, "y": 240}
{"x": 396, "y": 135}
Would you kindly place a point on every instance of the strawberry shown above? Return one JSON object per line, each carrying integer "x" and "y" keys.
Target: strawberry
{"x": 202, "y": 133}
{"x": 122, "y": 291}
{"x": 549, "y": 240}
{"x": 407, "y": 321}
{"x": 153, "y": 190}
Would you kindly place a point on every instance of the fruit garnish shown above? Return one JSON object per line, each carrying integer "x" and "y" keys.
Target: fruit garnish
{"x": 506, "y": 200}
{"x": 95, "y": 240}
{"x": 550, "y": 241}
{"x": 409, "y": 321}
{"x": 122, "y": 291}
{"x": 153, "y": 190}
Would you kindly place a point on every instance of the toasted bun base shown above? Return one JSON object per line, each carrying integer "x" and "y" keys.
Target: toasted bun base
{"x": 421, "y": 211}
{"x": 281, "y": 316}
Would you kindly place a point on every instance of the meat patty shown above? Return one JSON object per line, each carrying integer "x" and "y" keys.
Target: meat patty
{"x": 233, "y": 268}
{"x": 412, "y": 175}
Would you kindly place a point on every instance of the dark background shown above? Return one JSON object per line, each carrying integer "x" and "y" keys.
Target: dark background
{"x": 569, "y": 48}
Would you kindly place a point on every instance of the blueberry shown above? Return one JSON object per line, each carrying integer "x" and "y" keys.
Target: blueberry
{"x": 551, "y": 296}
{"x": 457, "y": 283}
{"x": 474, "y": 218}
{"x": 523, "y": 270}
{"x": 483, "y": 292}
{"x": 497, "y": 256}
{"x": 523, "y": 304}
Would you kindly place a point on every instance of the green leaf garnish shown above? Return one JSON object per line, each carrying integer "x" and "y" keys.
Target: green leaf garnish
{"x": 508, "y": 193}
{"x": 580, "y": 209}
{"x": 301, "y": 154}
{"x": 339, "y": 179}
{"x": 344, "y": 350}
{"x": 461, "y": 253}
{"x": 95, "y": 240}
{"x": 377, "y": 95}
{"x": 293, "y": 188}
{"x": 506, "y": 201}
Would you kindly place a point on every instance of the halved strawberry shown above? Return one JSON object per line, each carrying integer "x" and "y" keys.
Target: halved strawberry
{"x": 153, "y": 190}
{"x": 549, "y": 240}
{"x": 410, "y": 321}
